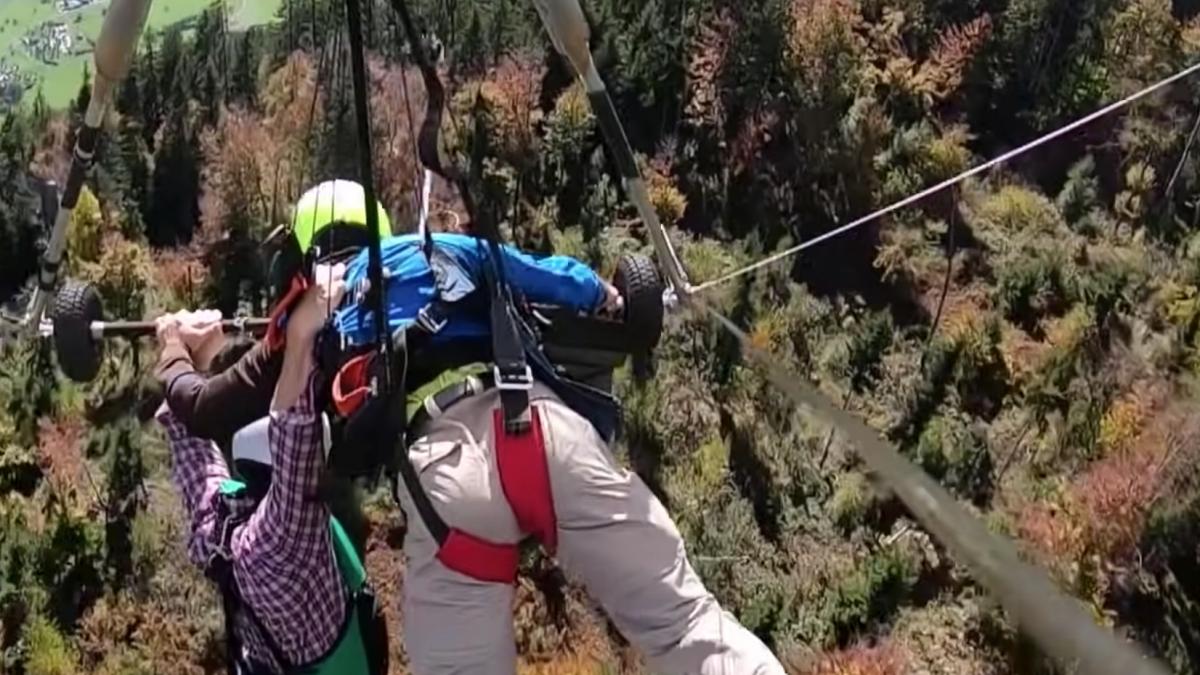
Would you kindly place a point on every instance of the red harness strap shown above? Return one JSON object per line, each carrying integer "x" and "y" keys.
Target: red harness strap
{"x": 525, "y": 478}
{"x": 478, "y": 558}
{"x": 351, "y": 385}
{"x": 277, "y": 330}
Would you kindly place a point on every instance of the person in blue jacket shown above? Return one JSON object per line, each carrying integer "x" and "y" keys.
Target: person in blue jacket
{"x": 412, "y": 285}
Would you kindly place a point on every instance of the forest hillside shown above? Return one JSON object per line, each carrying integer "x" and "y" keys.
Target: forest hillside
{"x": 1030, "y": 338}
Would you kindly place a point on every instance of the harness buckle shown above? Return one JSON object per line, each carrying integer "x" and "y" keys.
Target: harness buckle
{"x": 513, "y": 381}
{"x": 224, "y": 548}
{"x": 430, "y": 323}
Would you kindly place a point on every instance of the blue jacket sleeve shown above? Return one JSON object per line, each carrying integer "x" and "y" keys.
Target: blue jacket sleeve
{"x": 551, "y": 280}
{"x": 554, "y": 280}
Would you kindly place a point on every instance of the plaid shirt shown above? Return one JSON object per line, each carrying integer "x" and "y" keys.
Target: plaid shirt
{"x": 283, "y": 555}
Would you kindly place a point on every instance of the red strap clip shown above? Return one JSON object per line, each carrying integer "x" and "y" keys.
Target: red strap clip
{"x": 277, "y": 329}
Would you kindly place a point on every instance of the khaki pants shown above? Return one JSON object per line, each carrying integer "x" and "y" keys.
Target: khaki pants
{"x": 613, "y": 534}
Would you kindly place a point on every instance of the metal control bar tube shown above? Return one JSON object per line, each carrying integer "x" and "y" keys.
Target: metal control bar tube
{"x": 569, "y": 32}
{"x": 113, "y": 53}
{"x": 136, "y": 329}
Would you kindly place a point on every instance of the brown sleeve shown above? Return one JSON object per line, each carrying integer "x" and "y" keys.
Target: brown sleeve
{"x": 214, "y": 408}
{"x": 173, "y": 361}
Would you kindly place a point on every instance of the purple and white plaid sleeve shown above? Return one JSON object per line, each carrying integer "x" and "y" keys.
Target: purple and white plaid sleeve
{"x": 197, "y": 469}
{"x": 283, "y": 556}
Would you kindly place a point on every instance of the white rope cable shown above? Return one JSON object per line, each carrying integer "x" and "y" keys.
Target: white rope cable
{"x": 423, "y": 218}
{"x": 908, "y": 201}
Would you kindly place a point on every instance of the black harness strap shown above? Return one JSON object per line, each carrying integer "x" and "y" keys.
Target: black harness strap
{"x": 376, "y": 294}
{"x": 220, "y": 570}
{"x": 513, "y": 376}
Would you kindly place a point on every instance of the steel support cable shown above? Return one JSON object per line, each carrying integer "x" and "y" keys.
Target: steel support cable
{"x": 412, "y": 137}
{"x": 1187, "y": 149}
{"x": 1054, "y": 620}
{"x": 375, "y": 293}
{"x": 950, "y": 182}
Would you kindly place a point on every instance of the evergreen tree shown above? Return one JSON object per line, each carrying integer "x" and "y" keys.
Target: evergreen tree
{"x": 84, "y": 97}
{"x": 243, "y": 84}
{"x": 207, "y": 56}
{"x": 29, "y": 380}
{"x": 121, "y": 445}
{"x": 500, "y": 27}
{"x": 175, "y": 187}
{"x": 41, "y": 112}
{"x": 173, "y": 74}
{"x": 151, "y": 93}
{"x": 19, "y": 227}
{"x": 129, "y": 98}
{"x": 136, "y": 181}
{"x": 473, "y": 53}
{"x": 122, "y": 172}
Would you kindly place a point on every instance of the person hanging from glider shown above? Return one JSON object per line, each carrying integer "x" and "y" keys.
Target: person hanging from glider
{"x": 216, "y": 407}
{"x": 294, "y": 591}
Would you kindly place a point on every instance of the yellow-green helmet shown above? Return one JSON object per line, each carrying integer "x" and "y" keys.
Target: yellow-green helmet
{"x": 334, "y": 202}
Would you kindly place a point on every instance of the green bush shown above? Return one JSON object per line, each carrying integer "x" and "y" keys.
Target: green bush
{"x": 870, "y": 594}
{"x": 1016, "y": 209}
{"x": 851, "y": 500}
{"x": 1080, "y": 194}
{"x": 869, "y": 340}
{"x": 70, "y": 564}
{"x": 958, "y": 456}
{"x": 47, "y": 650}
{"x": 981, "y": 375}
{"x": 1030, "y": 285}
{"x": 28, "y": 380}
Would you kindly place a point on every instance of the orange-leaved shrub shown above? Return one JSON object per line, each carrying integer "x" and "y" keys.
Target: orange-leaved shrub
{"x": 60, "y": 453}
{"x": 884, "y": 659}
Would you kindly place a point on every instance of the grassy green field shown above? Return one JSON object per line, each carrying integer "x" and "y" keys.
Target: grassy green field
{"x": 61, "y": 81}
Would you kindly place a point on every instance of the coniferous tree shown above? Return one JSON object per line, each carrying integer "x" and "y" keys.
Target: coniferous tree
{"x": 19, "y": 228}
{"x": 121, "y": 445}
{"x": 151, "y": 92}
{"x": 175, "y": 186}
{"x": 499, "y": 33}
{"x": 207, "y": 56}
{"x": 173, "y": 73}
{"x": 84, "y": 97}
{"x": 136, "y": 191}
{"x": 243, "y": 83}
{"x": 29, "y": 381}
{"x": 473, "y": 52}
{"x": 129, "y": 97}
{"x": 41, "y": 112}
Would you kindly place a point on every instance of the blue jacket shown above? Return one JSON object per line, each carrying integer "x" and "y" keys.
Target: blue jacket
{"x": 551, "y": 280}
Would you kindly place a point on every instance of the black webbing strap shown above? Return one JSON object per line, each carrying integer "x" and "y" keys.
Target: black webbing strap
{"x": 512, "y": 372}
{"x": 220, "y": 570}
{"x": 420, "y": 499}
{"x": 513, "y": 376}
{"x": 396, "y": 435}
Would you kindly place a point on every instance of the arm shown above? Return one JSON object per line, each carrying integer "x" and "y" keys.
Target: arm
{"x": 292, "y": 522}
{"x": 216, "y": 407}
{"x": 197, "y": 469}
{"x": 554, "y": 280}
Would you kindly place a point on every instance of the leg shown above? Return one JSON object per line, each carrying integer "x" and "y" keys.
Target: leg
{"x": 616, "y": 536}
{"x": 454, "y": 624}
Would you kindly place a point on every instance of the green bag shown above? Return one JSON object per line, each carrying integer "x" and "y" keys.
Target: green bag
{"x": 361, "y": 647}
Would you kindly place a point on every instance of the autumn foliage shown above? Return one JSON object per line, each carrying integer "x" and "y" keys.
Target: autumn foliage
{"x": 1030, "y": 338}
